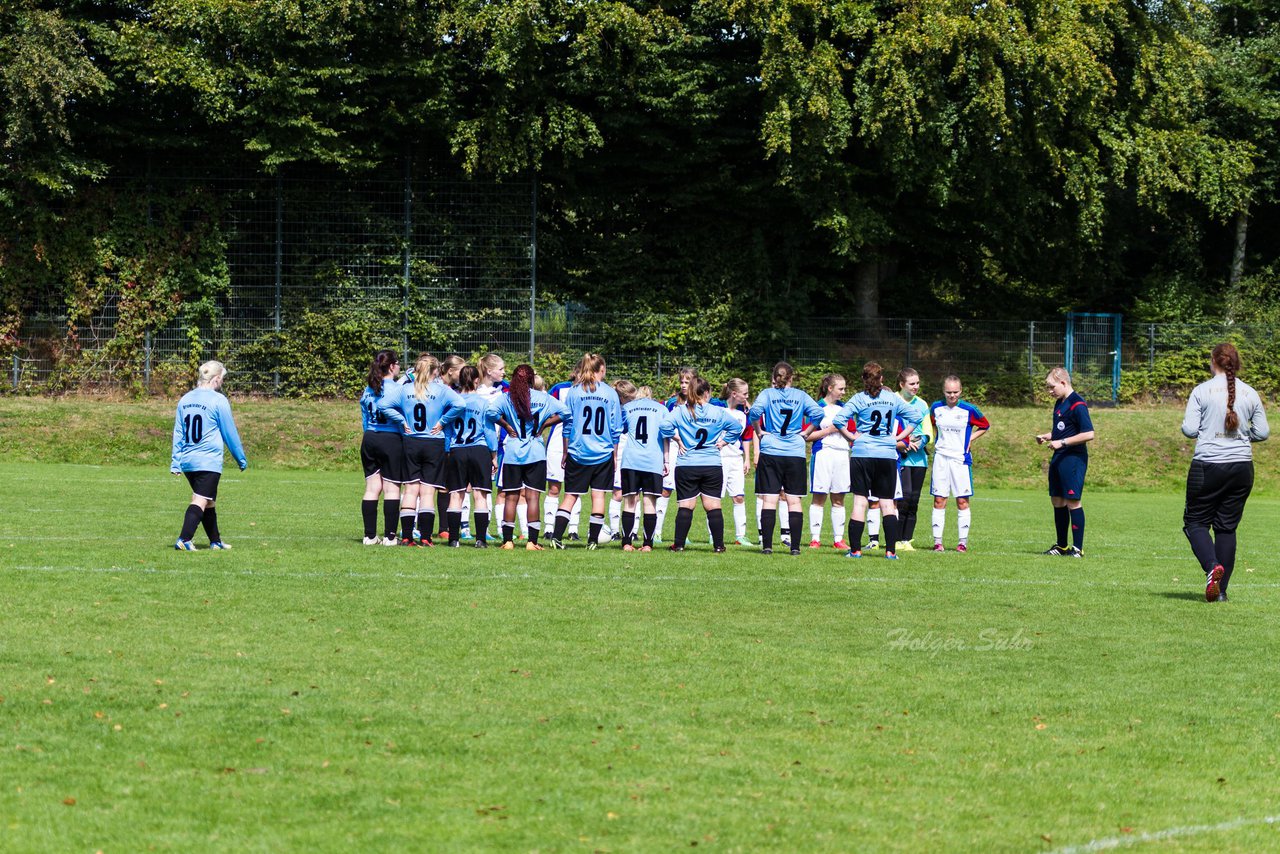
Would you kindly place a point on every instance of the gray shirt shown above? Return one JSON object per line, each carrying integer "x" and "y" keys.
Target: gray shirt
{"x": 1206, "y": 416}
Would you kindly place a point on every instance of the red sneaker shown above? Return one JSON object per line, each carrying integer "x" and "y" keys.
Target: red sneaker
{"x": 1214, "y": 585}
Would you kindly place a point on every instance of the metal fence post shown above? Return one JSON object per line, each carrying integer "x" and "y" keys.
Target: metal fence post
{"x": 1151, "y": 346}
{"x": 907, "y": 363}
{"x": 533, "y": 267}
{"x": 146, "y": 365}
{"x": 17, "y": 368}
{"x": 405, "y": 256}
{"x": 279, "y": 268}
{"x": 660, "y": 347}
{"x": 1031, "y": 349}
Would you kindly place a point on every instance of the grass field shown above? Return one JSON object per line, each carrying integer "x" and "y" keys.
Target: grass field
{"x": 304, "y": 691}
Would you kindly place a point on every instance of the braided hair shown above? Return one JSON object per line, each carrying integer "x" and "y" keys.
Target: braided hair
{"x": 1226, "y": 358}
{"x": 521, "y": 382}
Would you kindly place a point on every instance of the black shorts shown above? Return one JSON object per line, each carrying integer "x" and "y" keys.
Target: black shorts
{"x": 777, "y": 474}
{"x": 424, "y": 461}
{"x": 1216, "y": 493}
{"x": 204, "y": 483}
{"x": 513, "y": 477}
{"x": 692, "y": 481}
{"x": 469, "y": 468}
{"x": 636, "y": 482}
{"x": 1066, "y": 476}
{"x": 383, "y": 453}
{"x": 871, "y": 476}
{"x": 581, "y": 478}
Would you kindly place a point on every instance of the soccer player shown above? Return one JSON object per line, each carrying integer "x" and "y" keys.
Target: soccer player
{"x": 473, "y": 458}
{"x": 555, "y": 470}
{"x": 913, "y": 457}
{"x": 701, "y": 430}
{"x": 777, "y": 416}
{"x": 449, "y": 370}
{"x": 957, "y": 424}
{"x": 830, "y": 466}
{"x": 873, "y": 461}
{"x": 735, "y": 458}
{"x": 1071, "y": 430}
{"x": 493, "y": 372}
{"x": 593, "y": 426}
{"x": 644, "y": 462}
{"x": 524, "y": 413}
{"x": 1224, "y": 416}
{"x": 424, "y": 403}
{"x": 686, "y": 376}
{"x": 382, "y": 447}
{"x": 202, "y": 428}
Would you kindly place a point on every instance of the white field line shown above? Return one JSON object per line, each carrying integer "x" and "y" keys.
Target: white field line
{"x": 1127, "y": 840}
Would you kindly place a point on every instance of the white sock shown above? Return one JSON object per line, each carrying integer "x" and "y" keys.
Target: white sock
{"x": 575, "y": 515}
{"x": 466, "y": 511}
{"x": 549, "y": 505}
{"x": 873, "y": 523}
{"x": 522, "y": 517}
{"x": 815, "y": 522}
{"x": 661, "y": 506}
{"x": 962, "y": 518}
{"x": 615, "y": 516}
{"x": 939, "y": 522}
{"x": 838, "y": 521}
{"x": 740, "y": 521}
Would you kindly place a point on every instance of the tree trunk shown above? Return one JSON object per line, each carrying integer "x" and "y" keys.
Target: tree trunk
{"x": 866, "y": 290}
{"x": 1242, "y": 238}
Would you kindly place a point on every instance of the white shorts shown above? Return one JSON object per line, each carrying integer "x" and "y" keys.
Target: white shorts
{"x": 555, "y": 456}
{"x": 735, "y": 480}
{"x": 669, "y": 479}
{"x": 617, "y": 466}
{"x": 951, "y": 477}
{"x": 830, "y": 471}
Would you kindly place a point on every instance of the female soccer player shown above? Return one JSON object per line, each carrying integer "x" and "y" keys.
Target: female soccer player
{"x": 202, "y": 425}
{"x": 778, "y": 415}
{"x": 382, "y": 447}
{"x": 913, "y": 457}
{"x": 593, "y": 426}
{"x": 1224, "y": 416}
{"x": 735, "y": 457}
{"x": 493, "y": 382}
{"x": 473, "y": 458}
{"x": 555, "y": 469}
{"x": 424, "y": 404}
{"x": 873, "y": 465}
{"x": 1071, "y": 429}
{"x": 449, "y": 370}
{"x": 644, "y": 462}
{"x": 701, "y": 430}
{"x": 830, "y": 465}
{"x": 957, "y": 424}
{"x": 524, "y": 413}
{"x": 685, "y": 376}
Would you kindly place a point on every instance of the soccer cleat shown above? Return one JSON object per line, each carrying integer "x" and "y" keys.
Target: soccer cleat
{"x": 1222, "y": 597}
{"x": 853, "y": 553}
{"x": 718, "y": 550}
{"x": 646, "y": 548}
{"x": 616, "y": 537}
{"x": 409, "y": 541}
{"x": 592, "y": 545}
{"x": 554, "y": 543}
{"x": 417, "y": 535}
{"x": 532, "y": 547}
{"x": 444, "y": 535}
{"x": 814, "y": 544}
{"x": 371, "y": 541}
{"x": 795, "y": 552}
{"x": 873, "y": 544}
{"x": 939, "y": 547}
{"x": 890, "y": 556}
{"x": 1058, "y": 551}
{"x": 185, "y": 546}
{"x": 673, "y": 547}
{"x": 840, "y": 546}
{"x": 425, "y": 543}
{"x": 219, "y": 545}
{"x": 508, "y": 545}
{"x": 905, "y": 546}
{"x": 1075, "y": 552}
{"x": 464, "y": 532}
{"x": 627, "y": 547}
{"x": 574, "y": 537}
{"x": 1213, "y": 585}
{"x": 961, "y": 547}
{"x": 766, "y": 551}
{"x": 390, "y": 540}
{"x": 481, "y": 544}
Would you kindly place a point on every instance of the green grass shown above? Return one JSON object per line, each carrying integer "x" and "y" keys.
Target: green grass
{"x": 303, "y": 691}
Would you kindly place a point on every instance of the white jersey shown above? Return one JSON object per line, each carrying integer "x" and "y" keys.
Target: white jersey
{"x": 836, "y": 440}
{"x": 732, "y": 452}
{"x": 955, "y": 426}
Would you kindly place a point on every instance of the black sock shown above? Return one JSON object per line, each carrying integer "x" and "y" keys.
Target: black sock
{"x": 210, "y": 522}
{"x": 1077, "y": 528}
{"x": 369, "y": 512}
{"x": 628, "y": 526}
{"x": 889, "y": 524}
{"x": 768, "y": 518}
{"x": 715, "y": 520}
{"x": 797, "y": 525}
{"x": 535, "y": 528}
{"x": 482, "y": 526}
{"x": 455, "y": 526}
{"x": 593, "y": 528}
{"x": 1224, "y": 548}
{"x": 684, "y": 521}
{"x": 442, "y": 510}
{"x": 855, "y": 533}
{"x": 191, "y": 521}
{"x": 390, "y": 515}
{"x": 1202, "y": 547}
{"x": 508, "y": 531}
{"x": 1062, "y": 523}
{"x": 426, "y": 524}
{"x": 562, "y": 524}
{"x": 650, "y": 528}
{"x": 407, "y": 517}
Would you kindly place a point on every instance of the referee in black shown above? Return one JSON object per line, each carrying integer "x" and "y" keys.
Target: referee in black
{"x": 1225, "y": 417}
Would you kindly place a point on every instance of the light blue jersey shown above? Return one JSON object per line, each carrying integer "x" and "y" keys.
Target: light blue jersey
{"x": 784, "y": 411}
{"x": 923, "y": 433}
{"x": 700, "y": 431}
{"x": 593, "y": 424}
{"x": 525, "y": 446}
{"x": 471, "y": 425}
{"x": 202, "y": 424}
{"x": 877, "y": 419}
{"x": 644, "y": 417}
{"x": 423, "y": 415}
{"x": 381, "y": 412}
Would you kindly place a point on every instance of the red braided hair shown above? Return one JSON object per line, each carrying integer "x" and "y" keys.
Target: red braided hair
{"x": 521, "y": 382}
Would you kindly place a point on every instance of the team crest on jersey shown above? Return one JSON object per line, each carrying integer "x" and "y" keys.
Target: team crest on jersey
{"x": 1062, "y": 425}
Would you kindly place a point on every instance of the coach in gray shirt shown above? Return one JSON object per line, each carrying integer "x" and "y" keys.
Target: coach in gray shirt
{"x": 1225, "y": 417}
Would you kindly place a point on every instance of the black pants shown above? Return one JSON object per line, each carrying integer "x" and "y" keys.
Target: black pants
{"x": 1216, "y": 493}
{"x": 912, "y": 480}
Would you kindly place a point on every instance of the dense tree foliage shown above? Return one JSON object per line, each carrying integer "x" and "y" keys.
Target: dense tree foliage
{"x": 756, "y": 159}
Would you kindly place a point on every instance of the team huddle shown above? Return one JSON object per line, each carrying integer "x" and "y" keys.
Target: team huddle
{"x": 446, "y": 434}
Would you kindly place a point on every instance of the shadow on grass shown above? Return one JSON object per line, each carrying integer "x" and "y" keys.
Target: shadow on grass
{"x": 1181, "y": 594}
